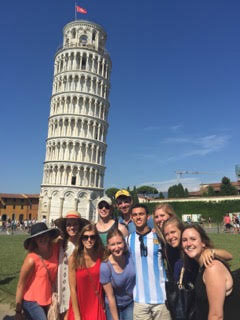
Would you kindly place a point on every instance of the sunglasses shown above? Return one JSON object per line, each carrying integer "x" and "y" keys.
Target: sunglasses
{"x": 92, "y": 237}
{"x": 103, "y": 205}
{"x": 143, "y": 248}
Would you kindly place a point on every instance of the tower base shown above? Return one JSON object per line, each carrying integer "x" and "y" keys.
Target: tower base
{"x": 55, "y": 201}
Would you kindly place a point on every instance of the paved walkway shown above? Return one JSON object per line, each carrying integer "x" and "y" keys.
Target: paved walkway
{"x": 6, "y": 312}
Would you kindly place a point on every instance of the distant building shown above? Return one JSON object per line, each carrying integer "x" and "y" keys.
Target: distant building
{"x": 18, "y": 206}
{"x": 216, "y": 187}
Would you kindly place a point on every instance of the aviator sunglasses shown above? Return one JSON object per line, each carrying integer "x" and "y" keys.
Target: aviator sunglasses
{"x": 86, "y": 237}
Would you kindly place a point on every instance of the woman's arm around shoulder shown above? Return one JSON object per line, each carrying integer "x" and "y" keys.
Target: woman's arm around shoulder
{"x": 209, "y": 255}
{"x": 73, "y": 287}
{"x": 25, "y": 274}
{"x": 215, "y": 278}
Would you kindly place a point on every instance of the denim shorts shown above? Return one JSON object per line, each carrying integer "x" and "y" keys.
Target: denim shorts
{"x": 34, "y": 311}
{"x": 124, "y": 313}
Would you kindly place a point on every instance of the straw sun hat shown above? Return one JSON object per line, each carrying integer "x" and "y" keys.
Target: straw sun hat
{"x": 61, "y": 222}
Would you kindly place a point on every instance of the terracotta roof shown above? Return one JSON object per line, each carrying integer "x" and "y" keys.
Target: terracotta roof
{"x": 18, "y": 195}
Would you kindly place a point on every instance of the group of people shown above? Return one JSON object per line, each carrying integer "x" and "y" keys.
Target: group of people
{"x": 117, "y": 269}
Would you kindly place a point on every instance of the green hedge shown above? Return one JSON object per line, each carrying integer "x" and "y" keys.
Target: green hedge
{"x": 215, "y": 210}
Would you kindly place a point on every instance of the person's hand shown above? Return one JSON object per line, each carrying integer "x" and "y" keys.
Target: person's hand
{"x": 207, "y": 257}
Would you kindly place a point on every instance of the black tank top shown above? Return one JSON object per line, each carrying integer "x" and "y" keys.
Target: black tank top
{"x": 231, "y": 303}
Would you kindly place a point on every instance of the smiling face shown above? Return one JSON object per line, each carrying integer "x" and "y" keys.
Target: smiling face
{"x": 172, "y": 234}
{"x": 192, "y": 243}
{"x": 88, "y": 239}
{"x": 104, "y": 209}
{"x": 116, "y": 246}
{"x": 124, "y": 204}
{"x": 139, "y": 217}
{"x": 72, "y": 227}
{"x": 160, "y": 215}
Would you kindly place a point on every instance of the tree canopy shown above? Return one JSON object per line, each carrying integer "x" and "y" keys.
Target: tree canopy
{"x": 226, "y": 188}
{"x": 177, "y": 191}
{"x": 147, "y": 190}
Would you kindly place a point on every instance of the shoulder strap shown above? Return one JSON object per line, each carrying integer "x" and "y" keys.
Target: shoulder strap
{"x": 180, "y": 285}
{"x": 48, "y": 273}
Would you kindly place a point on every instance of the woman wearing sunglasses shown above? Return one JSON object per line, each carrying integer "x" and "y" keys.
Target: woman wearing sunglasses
{"x": 117, "y": 275}
{"x": 105, "y": 222}
{"x": 84, "y": 270}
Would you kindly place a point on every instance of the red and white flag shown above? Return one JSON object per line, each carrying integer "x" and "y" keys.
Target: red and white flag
{"x": 81, "y": 10}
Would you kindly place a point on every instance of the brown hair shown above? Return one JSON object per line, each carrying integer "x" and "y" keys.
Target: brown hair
{"x": 78, "y": 256}
{"x": 203, "y": 235}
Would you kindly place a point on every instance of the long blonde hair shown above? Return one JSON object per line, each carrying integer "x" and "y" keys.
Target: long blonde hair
{"x": 167, "y": 208}
{"x": 78, "y": 256}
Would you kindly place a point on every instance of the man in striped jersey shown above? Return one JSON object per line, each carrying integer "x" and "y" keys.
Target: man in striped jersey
{"x": 149, "y": 293}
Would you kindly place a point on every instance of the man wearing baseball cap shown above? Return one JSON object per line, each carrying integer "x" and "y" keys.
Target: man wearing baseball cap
{"x": 124, "y": 204}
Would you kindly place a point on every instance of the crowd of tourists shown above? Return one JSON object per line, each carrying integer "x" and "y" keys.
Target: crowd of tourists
{"x": 139, "y": 266}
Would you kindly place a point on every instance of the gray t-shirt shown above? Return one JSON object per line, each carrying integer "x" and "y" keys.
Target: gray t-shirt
{"x": 122, "y": 283}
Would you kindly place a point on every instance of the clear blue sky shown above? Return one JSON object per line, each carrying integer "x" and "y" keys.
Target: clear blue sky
{"x": 175, "y": 88}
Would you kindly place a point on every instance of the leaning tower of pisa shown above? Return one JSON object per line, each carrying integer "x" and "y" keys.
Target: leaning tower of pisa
{"x": 76, "y": 144}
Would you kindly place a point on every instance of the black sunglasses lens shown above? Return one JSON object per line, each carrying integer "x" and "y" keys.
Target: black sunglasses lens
{"x": 85, "y": 238}
{"x": 103, "y": 205}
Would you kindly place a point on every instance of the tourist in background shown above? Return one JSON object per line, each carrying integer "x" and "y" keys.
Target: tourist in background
{"x": 38, "y": 273}
{"x": 105, "y": 222}
{"x": 87, "y": 302}
{"x": 216, "y": 295}
{"x": 70, "y": 225}
{"x": 117, "y": 276}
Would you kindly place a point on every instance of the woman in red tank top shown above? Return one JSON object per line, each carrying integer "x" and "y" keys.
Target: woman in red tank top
{"x": 87, "y": 301}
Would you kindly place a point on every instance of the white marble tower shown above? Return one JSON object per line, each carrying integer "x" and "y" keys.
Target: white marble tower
{"x": 77, "y": 127}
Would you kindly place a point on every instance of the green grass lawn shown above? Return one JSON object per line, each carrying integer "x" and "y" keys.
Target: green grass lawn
{"x": 12, "y": 255}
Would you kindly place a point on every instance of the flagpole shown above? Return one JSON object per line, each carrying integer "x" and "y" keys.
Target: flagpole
{"x": 75, "y": 10}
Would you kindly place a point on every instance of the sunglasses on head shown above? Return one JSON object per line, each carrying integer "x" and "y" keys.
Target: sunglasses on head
{"x": 103, "y": 205}
{"x": 92, "y": 237}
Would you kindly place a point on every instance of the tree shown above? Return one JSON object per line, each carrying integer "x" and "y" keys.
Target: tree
{"x": 147, "y": 190}
{"x": 161, "y": 195}
{"x": 210, "y": 191}
{"x": 177, "y": 191}
{"x": 111, "y": 192}
{"x": 226, "y": 188}
{"x": 186, "y": 193}
{"x": 134, "y": 195}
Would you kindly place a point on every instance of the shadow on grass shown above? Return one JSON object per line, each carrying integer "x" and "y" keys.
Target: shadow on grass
{"x": 7, "y": 280}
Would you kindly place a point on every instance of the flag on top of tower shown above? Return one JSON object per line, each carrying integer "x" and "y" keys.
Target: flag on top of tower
{"x": 81, "y": 10}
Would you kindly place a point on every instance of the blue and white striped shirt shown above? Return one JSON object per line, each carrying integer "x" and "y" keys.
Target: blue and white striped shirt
{"x": 150, "y": 271}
